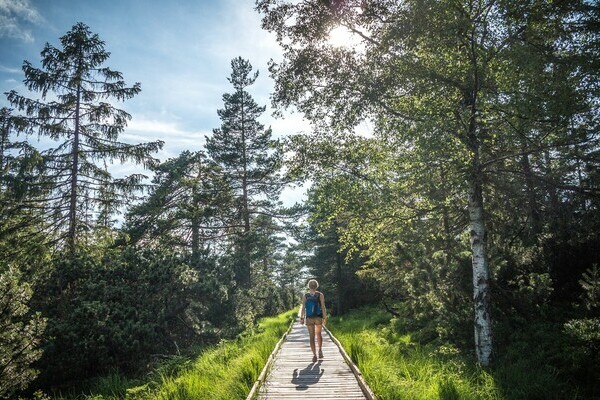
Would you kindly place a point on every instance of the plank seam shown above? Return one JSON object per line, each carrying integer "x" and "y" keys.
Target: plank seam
{"x": 260, "y": 380}
{"x": 359, "y": 376}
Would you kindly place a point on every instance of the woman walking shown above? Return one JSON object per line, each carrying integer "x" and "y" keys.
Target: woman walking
{"x": 314, "y": 313}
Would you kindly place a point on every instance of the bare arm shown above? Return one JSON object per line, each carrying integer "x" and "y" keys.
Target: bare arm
{"x": 324, "y": 309}
{"x": 302, "y": 309}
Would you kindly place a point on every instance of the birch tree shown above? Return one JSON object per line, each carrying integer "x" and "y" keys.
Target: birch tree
{"x": 437, "y": 77}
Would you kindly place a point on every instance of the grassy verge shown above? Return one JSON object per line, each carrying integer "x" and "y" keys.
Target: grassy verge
{"x": 226, "y": 371}
{"x": 397, "y": 367}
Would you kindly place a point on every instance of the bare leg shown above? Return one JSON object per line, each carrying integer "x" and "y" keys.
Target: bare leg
{"x": 311, "y": 334}
{"x": 319, "y": 336}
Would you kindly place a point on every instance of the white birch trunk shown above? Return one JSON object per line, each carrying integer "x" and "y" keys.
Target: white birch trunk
{"x": 481, "y": 289}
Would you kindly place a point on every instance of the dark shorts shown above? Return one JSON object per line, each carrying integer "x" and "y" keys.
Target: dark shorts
{"x": 311, "y": 321}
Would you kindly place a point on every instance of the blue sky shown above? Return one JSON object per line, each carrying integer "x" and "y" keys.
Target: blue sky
{"x": 180, "y": 51}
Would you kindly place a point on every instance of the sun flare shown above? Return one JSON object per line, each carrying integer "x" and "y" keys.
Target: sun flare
{"x": 340, "y": 36}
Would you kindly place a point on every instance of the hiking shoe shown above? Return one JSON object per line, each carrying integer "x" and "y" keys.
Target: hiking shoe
{"x": 320, "y": 353}
{"x": 314, "y": 358}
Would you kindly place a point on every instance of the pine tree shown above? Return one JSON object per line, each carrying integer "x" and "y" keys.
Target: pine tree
{"x": 75, "y": 110}
{"x": 186, "y": 208}
{"x": 245, "y": 151}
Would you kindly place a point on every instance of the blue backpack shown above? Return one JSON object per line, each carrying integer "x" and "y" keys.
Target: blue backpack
{"x": 313, "y": 305}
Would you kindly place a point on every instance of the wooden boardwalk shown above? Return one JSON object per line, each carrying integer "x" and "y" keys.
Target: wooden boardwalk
{"x": 293, "y": 375}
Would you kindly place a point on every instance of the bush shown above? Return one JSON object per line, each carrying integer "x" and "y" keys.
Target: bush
{"x": 115, "y": 312}
{"x": 20, "y": 334}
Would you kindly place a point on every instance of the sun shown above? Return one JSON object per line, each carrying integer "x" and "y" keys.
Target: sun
{"x": 340, "y": 36}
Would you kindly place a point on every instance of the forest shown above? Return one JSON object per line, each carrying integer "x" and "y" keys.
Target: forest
{"x": 469, "y": 213}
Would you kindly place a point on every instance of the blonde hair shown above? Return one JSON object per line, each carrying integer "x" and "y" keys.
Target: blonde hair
{"x": 313, "y": 284}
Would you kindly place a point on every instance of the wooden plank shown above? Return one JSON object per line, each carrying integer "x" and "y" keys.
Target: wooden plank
{"x": 265, "y": 369}
{"x": 293, "y": 375}
{"x": 369, "y": 395}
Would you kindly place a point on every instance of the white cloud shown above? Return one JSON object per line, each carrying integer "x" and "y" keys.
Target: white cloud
{"x": 242, "y": 36}
{"x": 22, "y": 9}
{"x": 177, "y": 139}
{"x": 118, "y": 170}
{"x": 9, "y": 27}
{"x": 13, "y": 15}
{"x": 143, "y": 129}
{"x": 10, "y": 70}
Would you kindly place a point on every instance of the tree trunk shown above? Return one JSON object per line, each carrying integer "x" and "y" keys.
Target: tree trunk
{"x": 5, "y": 130}
{"x": 552, "y": 193}
{"x": 74, "y": 175}
{"x": 533, "y": 211}
{"x": 195, "y": 218}
{"x": 340, "y": 276}
{"x": 481, "y": 274}
{"x": 195, "y": 238}
{"x": 246, "y": 274}
{"x": 481, "y": 289}
{"x": 580, "y": 177}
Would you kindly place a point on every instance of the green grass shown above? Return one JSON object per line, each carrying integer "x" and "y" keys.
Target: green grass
{"x": 397, "y": 367}
{"x": 226, "y": 371}
{"x": 393, "y": 361}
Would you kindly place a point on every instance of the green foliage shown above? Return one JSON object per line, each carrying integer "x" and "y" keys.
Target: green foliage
{"x": 224, "y": 371}
{"x": 21, "y": 332}
{"x": 480, "y": 115}
{"x": 329, "y": 262}
{"x": 583, "y": 351}
{"x": 75, "y": 88}
{"x": 250, "y": 161}
{"x": 536, "y": 362}
{"x": 290, "y": 278}
{"x": 21, "y": 187}
{"x": 187, "y": 207}
{"x": 116, "y": 311}
{"x": 234, "y": 365}
{"x": 590, "y": 283}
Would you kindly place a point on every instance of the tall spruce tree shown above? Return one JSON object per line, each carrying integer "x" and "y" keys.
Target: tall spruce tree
{"x": 245, "y": 151}
{"x": 75, "y": 109}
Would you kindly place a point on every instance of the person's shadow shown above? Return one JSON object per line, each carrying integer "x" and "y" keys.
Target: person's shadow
{"x": 308, "y": 376}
